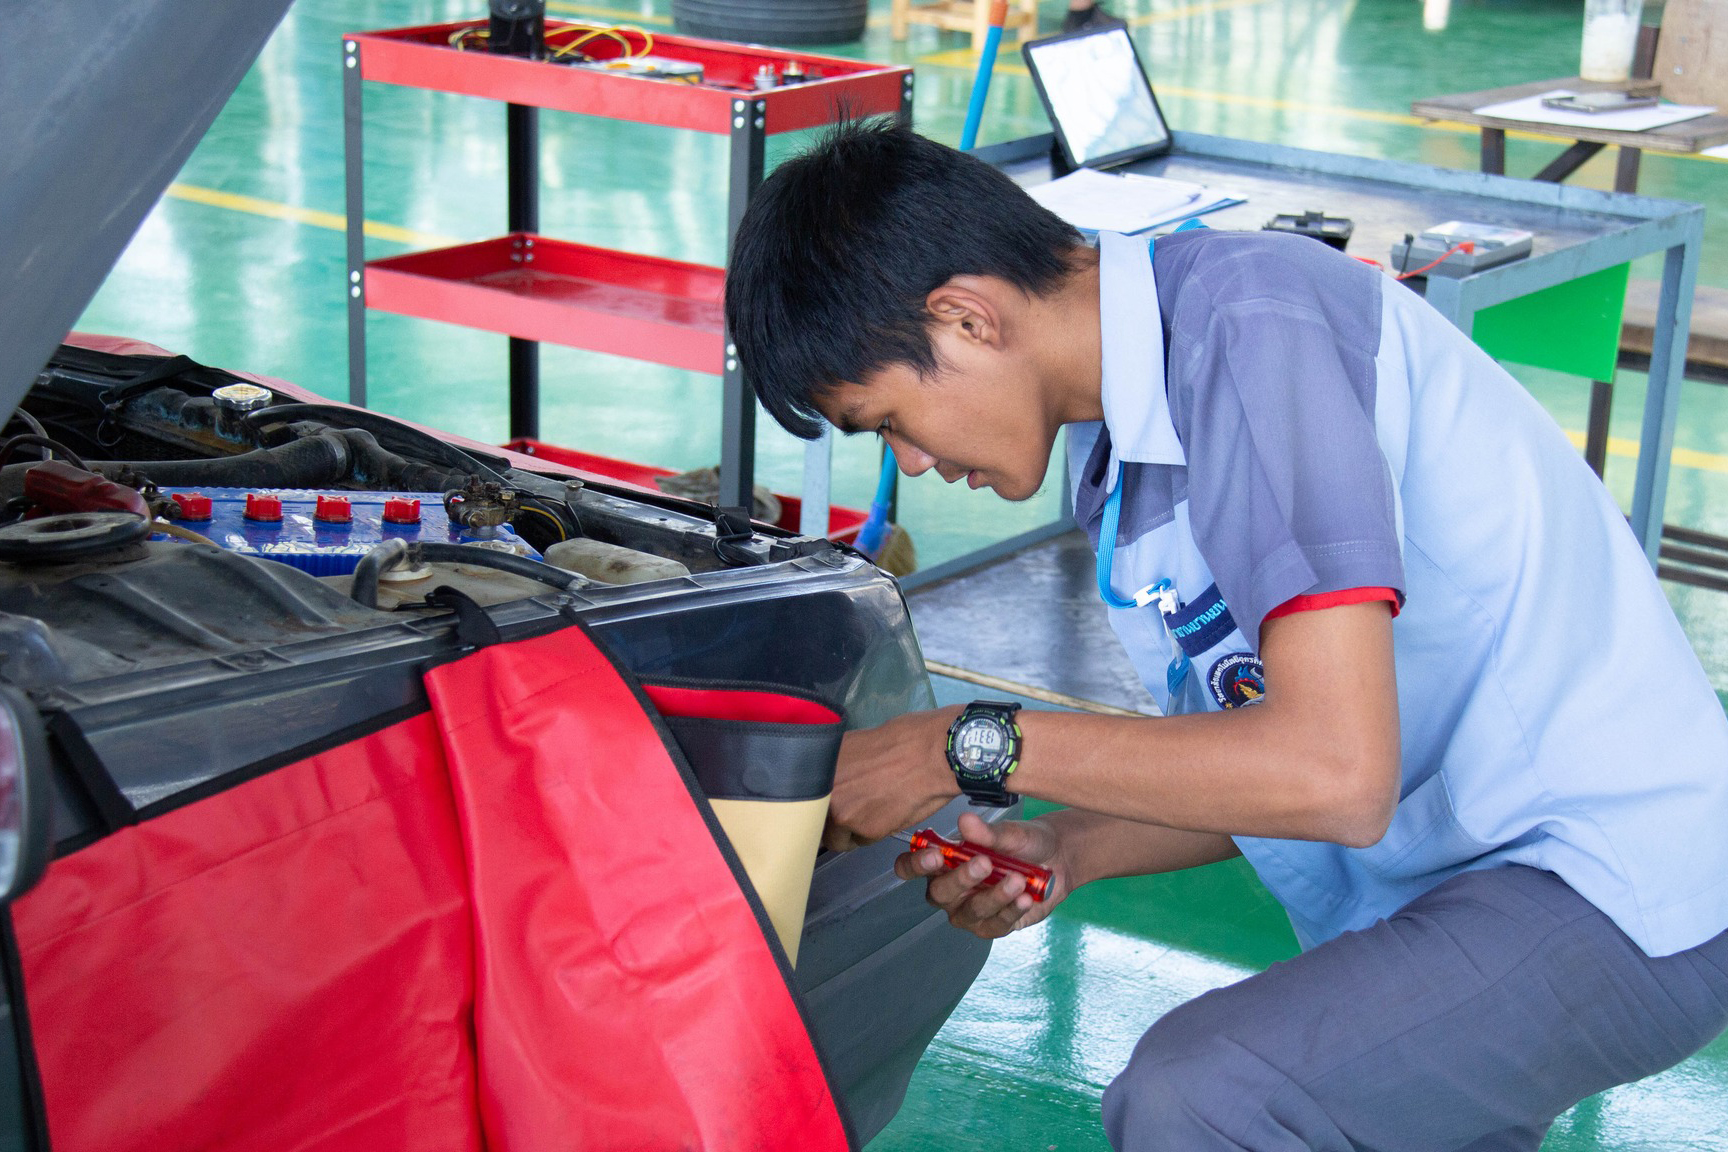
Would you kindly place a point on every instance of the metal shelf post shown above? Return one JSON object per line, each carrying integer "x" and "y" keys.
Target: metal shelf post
{"x": 738, "y": 400}
{"x": 522, "y": 162}
{"x": 354, "y": 188}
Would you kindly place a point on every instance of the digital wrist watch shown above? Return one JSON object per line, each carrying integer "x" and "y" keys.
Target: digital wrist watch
{"x": 984, "y": 745}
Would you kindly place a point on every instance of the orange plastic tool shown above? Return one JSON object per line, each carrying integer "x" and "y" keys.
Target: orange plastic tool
{"x": 957, "y": 852}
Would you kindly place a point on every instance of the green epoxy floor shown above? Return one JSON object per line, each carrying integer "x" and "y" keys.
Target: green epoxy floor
{"x": 242, "y": 266}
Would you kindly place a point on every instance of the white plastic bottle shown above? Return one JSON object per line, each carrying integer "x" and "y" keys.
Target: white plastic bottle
{"x": 1610, "y": 39}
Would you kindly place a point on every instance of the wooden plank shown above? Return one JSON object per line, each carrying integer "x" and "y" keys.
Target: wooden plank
{"x": 1708, "y": 344}
{"x": 1692, "y": 55}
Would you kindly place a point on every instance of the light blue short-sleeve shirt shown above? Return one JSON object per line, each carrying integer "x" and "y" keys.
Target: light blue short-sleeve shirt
{"x": 1282, "y": 421}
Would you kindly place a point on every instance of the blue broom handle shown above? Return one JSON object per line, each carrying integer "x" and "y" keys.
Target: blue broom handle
{"x": 981, "y": 82}
{"x": 890, "y": 473}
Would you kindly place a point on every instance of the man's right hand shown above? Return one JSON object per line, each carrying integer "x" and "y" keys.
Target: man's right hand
{"x": 986, "y": 911}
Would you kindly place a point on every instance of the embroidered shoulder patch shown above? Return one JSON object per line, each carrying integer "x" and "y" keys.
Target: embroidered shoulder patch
{"x": 1237, "y": 680}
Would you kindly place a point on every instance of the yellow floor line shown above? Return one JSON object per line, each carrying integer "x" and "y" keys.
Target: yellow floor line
{"x": 966, "y": 59}
{"x": 1680, "y": 458}
{"x": 1299, "y": 106}
{"x": 1043, "y": 695}
{"x": 293, "y": 213}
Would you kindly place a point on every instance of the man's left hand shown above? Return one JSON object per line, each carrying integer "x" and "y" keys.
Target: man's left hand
{"x": 889, "y": 778}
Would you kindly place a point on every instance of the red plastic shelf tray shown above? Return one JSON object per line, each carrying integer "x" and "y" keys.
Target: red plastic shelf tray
{"x": 423, "y": 58}
{"x": 843, "y": 523}
{"x": 536, "y": 288}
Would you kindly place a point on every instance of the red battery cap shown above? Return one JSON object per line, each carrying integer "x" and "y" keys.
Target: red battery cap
{"x": 334, "y": 510}
{"x": 265, "y": 508}
{"x": 194, "y": 506}
{"x": 402, "y": 510}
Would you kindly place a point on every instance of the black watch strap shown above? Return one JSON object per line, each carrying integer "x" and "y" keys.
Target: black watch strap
{"x": 989, "y": 788}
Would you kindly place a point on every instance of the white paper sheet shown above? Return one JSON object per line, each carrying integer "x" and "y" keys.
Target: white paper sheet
{"x": 1101, "y": 202}
{"x": 1720, "y": 152}
{"x": 1632, "y": 120}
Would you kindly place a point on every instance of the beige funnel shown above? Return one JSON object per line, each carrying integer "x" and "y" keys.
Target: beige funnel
{"x": 777, "y": 842}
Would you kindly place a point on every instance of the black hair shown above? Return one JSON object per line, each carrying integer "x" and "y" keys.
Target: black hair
{"x": 839, "y": 249}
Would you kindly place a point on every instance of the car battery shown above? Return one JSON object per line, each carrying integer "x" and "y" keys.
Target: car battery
{"x": 324, "y": 532}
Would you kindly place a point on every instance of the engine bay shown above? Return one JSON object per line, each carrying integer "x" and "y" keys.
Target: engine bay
{"x": 313, "y": 518}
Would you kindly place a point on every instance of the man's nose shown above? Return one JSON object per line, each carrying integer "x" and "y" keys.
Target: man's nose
{"x": 912, "y": 461}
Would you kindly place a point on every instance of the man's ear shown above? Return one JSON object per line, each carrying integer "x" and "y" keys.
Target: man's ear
{"x": 967, "y": 309}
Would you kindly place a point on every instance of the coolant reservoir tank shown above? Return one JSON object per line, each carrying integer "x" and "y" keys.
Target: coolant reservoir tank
{"x": 612, "y": 563}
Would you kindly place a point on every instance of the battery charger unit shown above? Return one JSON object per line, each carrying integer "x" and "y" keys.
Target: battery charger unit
{"x": 1490, "y": 246}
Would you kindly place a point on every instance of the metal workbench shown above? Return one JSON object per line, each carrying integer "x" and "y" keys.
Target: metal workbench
{"x": 1578, "y": 231}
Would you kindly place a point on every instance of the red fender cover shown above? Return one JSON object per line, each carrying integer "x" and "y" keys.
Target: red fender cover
{"x": 627, "y": 995}
{"x": 506, "y": 924}
{"x": 284, "y": 965}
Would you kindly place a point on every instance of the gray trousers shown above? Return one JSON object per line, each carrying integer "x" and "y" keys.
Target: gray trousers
{"x": 1469, "y": 1020}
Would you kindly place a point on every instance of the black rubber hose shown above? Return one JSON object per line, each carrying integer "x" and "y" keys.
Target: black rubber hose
{"x": 390, "y": 433}
{"x": 312, "y": 462}
{"x": 393, "y": 552}
{"x": 381, "y": 558}
{"x": 372, "y": 464}
{"x": 32, "y": 439}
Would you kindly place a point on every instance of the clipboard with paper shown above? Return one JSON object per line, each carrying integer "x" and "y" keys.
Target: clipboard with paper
{"x": 1096, "y": 201}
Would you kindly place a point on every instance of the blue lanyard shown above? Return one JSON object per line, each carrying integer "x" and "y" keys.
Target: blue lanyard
{"x": 1107, "y": 548}
{"x": 1161, "y": 595}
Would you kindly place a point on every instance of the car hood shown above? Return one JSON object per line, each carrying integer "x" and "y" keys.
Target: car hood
{"x": 103, "y": 104}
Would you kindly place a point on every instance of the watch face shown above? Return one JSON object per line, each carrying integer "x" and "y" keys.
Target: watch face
{"x": 980, "y": 746}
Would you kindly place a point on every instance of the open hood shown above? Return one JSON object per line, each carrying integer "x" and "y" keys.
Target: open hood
{"x": 102, "y": 103}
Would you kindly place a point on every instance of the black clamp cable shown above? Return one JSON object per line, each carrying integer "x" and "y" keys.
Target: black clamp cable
{"x": 732, "y": 531}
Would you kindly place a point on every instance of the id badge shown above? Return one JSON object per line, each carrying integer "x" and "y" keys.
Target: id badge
{"x": 1212, "y": 669}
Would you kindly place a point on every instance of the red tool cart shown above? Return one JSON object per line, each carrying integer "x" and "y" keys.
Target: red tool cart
{"x": 536, "y": 288}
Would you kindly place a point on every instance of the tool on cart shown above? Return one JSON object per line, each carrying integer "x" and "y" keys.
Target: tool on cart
{"x": 958, "y": 852}
{"x": 517, "y": 27}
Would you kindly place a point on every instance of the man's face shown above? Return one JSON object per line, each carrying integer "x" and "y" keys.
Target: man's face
{"x": 979, "y": 417}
